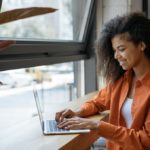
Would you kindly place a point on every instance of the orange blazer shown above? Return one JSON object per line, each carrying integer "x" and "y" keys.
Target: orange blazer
{"x": 112, "y": 97}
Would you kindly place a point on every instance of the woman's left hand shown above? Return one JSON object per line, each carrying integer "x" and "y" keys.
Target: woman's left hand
{"x": 78, "y": 123}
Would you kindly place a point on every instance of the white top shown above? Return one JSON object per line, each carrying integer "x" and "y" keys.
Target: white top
{"x": 126, "y": 111}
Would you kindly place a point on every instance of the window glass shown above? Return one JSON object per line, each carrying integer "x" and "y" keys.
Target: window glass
{"x": 67, "y": 23}
{"x": 54, "y": 83}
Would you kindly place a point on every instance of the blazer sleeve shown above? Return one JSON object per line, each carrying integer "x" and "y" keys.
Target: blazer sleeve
{"x": 129, "y": 139}
{"x": 98, "y": 104}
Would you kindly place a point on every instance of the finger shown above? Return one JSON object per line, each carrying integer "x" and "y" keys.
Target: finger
{"x": 66, "y": 114}
{"x": 67, "y": 122}
{"x": 58, "y": 115}
{"x": 76, "y": 123}
{"x": 74, "y": 126}
{"x": 61, "y": 115}
{"x": 72, "y": 123}
{"x": 63, "y": 123}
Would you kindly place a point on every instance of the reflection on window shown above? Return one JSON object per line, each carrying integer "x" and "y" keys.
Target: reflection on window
{"x": 55, "y": 84}
{"x": 68, "y": 23}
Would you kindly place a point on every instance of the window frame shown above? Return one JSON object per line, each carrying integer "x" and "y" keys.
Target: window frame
{"x": 145, "y": 7}
{"x": 33, "y": 53}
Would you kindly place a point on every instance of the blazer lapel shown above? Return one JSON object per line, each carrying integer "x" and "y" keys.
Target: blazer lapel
{"x": 125, "y": 89}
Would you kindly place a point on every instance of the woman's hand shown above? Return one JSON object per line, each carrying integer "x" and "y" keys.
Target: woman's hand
{"x": 66, "y": 113}
{"x": 78, "y": 123}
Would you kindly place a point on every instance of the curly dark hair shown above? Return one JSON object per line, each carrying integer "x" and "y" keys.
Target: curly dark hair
{"x": 138, "y": 28}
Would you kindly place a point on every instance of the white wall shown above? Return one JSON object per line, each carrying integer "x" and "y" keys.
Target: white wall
{"x": 112, "y": 8}
{"x": 136, "y": 5}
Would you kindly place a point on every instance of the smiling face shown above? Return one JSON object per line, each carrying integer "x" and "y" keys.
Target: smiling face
{"x": 128, "y": 54}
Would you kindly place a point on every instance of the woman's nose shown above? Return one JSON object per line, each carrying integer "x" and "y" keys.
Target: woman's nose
{"x": 116, "y": 55}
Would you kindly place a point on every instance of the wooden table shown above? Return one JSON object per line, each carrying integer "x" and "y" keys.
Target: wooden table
{"x": 28, "y": 135}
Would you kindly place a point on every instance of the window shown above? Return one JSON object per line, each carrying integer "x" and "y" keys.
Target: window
{"x": 48, "y": 48}
{"x": 68, "y": 23}
{"x": 55, "y": 40}
{"x": 55, "y": 84}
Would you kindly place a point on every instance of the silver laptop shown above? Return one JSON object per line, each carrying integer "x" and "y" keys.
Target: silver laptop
{"x": 50, "y": 126}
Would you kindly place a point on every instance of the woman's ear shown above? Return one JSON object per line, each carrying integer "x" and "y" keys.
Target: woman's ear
{"x": 143, "y": 46}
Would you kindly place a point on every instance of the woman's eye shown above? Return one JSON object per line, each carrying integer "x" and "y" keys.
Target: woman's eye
{"x": 122, "y": 49}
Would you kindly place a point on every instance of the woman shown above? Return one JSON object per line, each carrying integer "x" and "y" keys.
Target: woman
{"x": 123, "y": 55}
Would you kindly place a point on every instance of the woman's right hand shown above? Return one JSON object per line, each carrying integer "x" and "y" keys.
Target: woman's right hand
{"x": 66, "y": 113}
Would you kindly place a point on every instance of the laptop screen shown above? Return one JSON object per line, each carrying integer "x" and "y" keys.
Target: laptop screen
{"x": 38, "y": 105}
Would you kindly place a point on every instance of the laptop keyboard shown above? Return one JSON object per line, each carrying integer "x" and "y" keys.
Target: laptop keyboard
{"x": 52, "y": 126}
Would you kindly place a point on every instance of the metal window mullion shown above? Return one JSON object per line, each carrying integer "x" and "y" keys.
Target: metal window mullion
{"x": 31, "y": 62}
{"x": 1, "y": 4}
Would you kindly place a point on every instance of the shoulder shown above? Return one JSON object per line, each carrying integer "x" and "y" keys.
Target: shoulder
{"x": 125, "y": 78}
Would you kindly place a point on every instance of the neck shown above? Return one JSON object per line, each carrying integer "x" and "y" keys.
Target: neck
{"x": 142, "y": 68}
